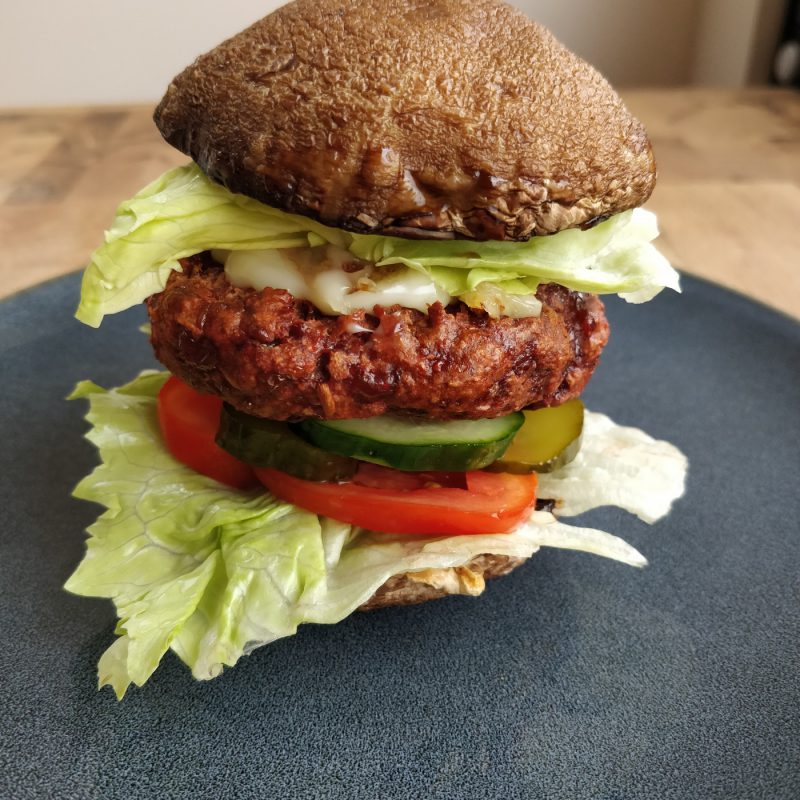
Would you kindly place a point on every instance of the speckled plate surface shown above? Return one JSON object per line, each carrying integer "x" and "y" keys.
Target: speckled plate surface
{"x": 573, "y": 677}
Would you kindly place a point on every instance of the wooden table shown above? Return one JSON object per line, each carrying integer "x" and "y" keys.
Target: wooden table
{"x": 728, "y": 197}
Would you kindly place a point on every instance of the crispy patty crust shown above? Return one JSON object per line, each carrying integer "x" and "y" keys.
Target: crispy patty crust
{"x": 272, "y": 355}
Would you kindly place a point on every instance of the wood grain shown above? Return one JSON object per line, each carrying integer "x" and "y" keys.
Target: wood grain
{"x": 728, "y": 197}
{"x": 728, "y": 193}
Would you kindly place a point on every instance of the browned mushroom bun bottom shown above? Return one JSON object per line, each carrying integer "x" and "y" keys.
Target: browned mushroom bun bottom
{"x": 269, "y": 354}
{"x": 410, "y": 588}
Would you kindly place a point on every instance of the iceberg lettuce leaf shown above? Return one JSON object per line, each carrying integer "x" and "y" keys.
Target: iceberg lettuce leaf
{"x": 618, "y": 466}
{"x": 212, "y": 573}
{"x": 183, "y": 213}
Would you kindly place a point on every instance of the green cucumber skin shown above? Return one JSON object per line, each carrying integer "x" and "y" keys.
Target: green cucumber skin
{"x": 449, "y": 457}
{"x": 419, "y": 432}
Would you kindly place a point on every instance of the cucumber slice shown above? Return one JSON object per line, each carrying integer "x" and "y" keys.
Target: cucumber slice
{"x": 416, "y": 445}
{"x": 266, "y": 443}
{"x": 549, "y": 439}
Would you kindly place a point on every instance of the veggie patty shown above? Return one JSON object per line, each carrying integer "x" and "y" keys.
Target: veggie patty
{"x": 271, "y": 355}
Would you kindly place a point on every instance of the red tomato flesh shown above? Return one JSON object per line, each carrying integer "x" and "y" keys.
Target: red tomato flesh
{"x": 189, "y": 423}
{"x": 378, "y": 498}
{"x": 489, "y": 503}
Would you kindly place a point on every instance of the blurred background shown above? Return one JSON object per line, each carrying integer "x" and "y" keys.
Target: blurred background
{"x": 80, "y": 79}
{"x": 96, "y": 51}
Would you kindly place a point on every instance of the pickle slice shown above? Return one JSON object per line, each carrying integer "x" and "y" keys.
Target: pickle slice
{"x": 267, "y": 443}
{"x": 549, "y": 439}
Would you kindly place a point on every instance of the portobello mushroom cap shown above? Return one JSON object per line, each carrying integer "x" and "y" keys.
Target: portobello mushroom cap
{"x": 415, "y": 118}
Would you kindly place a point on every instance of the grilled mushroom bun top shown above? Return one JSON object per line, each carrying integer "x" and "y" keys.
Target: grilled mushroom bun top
{"x": 430, "y": 119}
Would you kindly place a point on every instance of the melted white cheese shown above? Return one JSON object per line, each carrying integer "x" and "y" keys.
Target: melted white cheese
{"x": 332, "y": 279}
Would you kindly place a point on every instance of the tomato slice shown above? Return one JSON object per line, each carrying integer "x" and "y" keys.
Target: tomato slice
{"x": 189, "y": 423}
{"x": 378, "y": 498}
{"x": 388, "y": 478}
{"x": 490, "y": 503}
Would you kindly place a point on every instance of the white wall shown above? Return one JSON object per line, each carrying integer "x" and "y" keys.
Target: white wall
{"x": 736, "y": 41}
{"x": 61, "y": 52}
{"x": 633, "y": 42}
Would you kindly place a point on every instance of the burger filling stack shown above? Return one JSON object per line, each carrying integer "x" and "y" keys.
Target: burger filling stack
{"x": 375, "y": 289}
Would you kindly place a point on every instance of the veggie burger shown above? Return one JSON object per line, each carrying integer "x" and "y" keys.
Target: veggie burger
{"x": 376, "y": 293}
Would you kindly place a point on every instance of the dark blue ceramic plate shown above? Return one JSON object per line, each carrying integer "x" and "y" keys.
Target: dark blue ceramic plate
{"x": 574, "y": 677}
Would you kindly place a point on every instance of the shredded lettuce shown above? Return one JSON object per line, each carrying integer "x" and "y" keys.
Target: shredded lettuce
{"x": 212, "y": 573}
{"x": 183, "y": 213}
